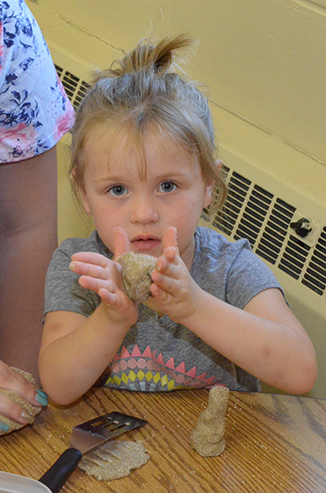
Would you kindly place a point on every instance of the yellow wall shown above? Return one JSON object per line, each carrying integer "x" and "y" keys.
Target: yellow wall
{"x": 72, "y": 221}
{"x": 264, "y": 62}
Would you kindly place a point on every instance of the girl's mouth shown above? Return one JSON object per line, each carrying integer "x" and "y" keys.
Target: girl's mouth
{"x": 144, "y": 244}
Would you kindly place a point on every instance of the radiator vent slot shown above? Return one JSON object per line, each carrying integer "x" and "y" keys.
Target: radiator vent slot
{"x": 74, "y": 86}
{"x": 275, "y": 232}
{"x": 254, "y": 213}
{"x": 294, "y": 257}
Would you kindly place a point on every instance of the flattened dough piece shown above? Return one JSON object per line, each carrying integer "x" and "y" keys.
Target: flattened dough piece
{"x": 31, "y": 410}
{"x": 114, "y": 460}
{"x": 208, "y": 436}
{"x": 136, "y": 275}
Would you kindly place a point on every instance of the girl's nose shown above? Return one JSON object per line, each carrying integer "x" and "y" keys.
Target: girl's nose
{"x": 143, "y": 211}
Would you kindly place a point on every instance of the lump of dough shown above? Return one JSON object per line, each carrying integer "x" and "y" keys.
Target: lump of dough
{"x": 136, "y": 275}
{"x": 32, "y": 411}
{"x": 114, "y": 460}
{"x": 208, "y": 436}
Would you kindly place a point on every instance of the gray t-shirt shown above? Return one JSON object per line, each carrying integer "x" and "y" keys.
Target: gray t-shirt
{"x": 157, "y": 354}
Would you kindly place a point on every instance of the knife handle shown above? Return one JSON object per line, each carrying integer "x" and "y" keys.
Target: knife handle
{"x": 58, "y": 474}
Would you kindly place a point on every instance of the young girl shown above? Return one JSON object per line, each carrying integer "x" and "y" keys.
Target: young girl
{"x": 143, "y": 164}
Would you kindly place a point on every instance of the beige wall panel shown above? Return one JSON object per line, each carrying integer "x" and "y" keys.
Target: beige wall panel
{"x": 72, "y": 221}
{"x": 263, "y": 60}
{"x": 320, "y": 2}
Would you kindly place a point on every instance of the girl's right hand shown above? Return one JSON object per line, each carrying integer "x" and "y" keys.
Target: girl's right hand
{"x": 11, "y": 380}
{"x": 104, "y": 277}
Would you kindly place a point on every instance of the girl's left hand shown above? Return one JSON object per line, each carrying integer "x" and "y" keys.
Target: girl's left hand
{"x": 173, "y": 288}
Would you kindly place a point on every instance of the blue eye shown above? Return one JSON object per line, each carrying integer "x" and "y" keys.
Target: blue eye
{"x": 118, "y": 190}
{"x": 167, "y": 186}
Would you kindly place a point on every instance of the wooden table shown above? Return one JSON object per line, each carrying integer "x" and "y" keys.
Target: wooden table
{"x": 274, "y": 443}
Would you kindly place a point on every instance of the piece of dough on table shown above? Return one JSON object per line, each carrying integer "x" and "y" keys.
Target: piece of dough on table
{"x": 208, "y": 436}
{"x": 114, "y": 460}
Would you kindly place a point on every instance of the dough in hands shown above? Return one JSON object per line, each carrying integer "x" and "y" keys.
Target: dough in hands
{"x": 136, "y": 275}
{"x": 30, "y": 410}
{"x": 114, "y": 460}
{"x": 208, "y": 436}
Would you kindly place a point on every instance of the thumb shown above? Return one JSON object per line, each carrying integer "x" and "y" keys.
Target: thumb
{"x": 121, "y": 242}
{"x": 170, "y": 238}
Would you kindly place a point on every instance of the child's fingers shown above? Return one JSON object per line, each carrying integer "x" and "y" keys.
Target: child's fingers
{"x": 170, "y": 251}
{"x": 90, "y": 270}
{"x": 108, "y": 297}
{"x": 166, "y": 283}
{"x": 170, "y": 238}
{"x": 169, "y": 260}
{"x": 171, "y": 254}
{"x": 167, "y": 264}
{"x": 158, "y": 293}
{"x": 95, "y": 284}
{"x": 121, "y": 242}
{"x": 90, "y": 258}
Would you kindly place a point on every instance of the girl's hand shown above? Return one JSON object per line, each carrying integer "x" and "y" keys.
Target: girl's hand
{"x": 173, "y": 287}
{"x": 104, "y": 277}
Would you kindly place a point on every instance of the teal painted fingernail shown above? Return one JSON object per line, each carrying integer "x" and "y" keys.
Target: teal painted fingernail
{"x": 3, "y": 426}
{"x": 43, "y": 394}
{"x": 41, "y": 397}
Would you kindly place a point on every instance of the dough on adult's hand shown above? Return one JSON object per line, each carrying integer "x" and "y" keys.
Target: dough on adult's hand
{"x": 136, "y": 275}
{"x": 114, "y": 460}
{"x": 30, "y": 410}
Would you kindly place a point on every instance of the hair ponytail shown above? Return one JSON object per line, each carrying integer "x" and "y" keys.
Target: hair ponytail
{"x": 147, "y": 56}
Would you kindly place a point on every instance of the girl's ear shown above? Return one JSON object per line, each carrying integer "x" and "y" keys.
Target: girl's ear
{"x": 219, "y": 164}
{"x": 210, "y": 186}
{"x": 209, "y": 193}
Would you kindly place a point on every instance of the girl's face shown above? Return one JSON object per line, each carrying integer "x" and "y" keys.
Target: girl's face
{"x": 173, "y": 192}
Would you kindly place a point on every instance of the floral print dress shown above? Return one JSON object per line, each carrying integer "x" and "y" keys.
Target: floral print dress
{"x": 34, "y": 109}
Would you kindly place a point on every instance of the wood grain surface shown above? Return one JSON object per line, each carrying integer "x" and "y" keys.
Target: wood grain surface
{"x": 274, "y": 443}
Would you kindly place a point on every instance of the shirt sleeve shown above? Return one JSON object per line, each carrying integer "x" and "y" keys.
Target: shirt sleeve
{"x": 248, "y": 275}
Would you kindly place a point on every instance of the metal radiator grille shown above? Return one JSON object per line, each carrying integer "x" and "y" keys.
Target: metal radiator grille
{"x": 315, "y": 275}
{"x": 256, "y": 214}
{"x": 74, "y": 86}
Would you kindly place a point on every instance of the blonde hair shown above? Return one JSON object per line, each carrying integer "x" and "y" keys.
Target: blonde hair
{"x": 141, "y": 91}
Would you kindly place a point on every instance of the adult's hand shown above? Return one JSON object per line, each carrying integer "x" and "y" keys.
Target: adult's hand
{"x": 11, "y": 380}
